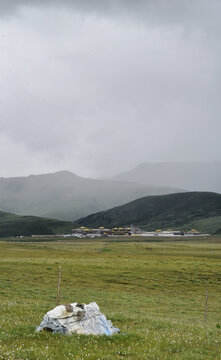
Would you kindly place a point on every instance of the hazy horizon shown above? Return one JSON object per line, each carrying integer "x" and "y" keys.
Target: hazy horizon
{"x": 115, "y": 175}
{"x": 97, "y": 88}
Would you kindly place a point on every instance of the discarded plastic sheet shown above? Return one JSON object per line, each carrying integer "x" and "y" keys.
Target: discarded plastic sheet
{"x": 77, "y": 318}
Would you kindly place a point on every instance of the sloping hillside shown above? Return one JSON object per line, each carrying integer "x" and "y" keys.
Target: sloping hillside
{"x": 66, "y": 196}
{"x": 154, "y": 212}
{"x": 188, "y": 176}
{"x": 15, "y": 225}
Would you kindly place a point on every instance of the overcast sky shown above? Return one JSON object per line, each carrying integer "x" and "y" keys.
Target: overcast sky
{"x": 99, "y": 86}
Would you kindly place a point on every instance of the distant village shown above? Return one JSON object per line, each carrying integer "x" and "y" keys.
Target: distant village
{"x": 132, "y": 230}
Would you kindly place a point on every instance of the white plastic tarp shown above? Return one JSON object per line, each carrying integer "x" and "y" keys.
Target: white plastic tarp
{"x": 77, "y": 318}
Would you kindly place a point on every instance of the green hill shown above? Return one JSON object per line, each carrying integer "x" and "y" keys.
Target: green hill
{"x": 15, "y": 225}
{"x": 182, "y": 210}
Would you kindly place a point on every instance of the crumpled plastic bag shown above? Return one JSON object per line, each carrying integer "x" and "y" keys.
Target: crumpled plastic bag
{"x": 77, "y": 318}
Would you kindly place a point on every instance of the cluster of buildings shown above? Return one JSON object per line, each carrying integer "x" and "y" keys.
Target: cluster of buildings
{"x": 170, "y": 232}
{"x": 102, "y": 231}
{"x": 131, "y": 230}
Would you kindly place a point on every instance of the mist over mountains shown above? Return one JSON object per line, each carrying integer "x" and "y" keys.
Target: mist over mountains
{"x": 189, "y": 176}
{"x": 66, "y": 196}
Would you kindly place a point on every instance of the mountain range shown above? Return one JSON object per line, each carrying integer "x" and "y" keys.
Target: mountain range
{"x": 201, "y": 210}
{"x": 205, "y": 176}
{"x": 66, "y": 196}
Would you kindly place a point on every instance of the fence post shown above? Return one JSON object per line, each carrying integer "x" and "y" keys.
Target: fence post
{"x": 207, "y": 295}
{"x": 59, "y": 287}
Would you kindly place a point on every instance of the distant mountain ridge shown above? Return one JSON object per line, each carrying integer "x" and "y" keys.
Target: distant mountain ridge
{"x": 66, "y": 196}
{"x": 189, "y": 176}
{"x": 182, "y": 210}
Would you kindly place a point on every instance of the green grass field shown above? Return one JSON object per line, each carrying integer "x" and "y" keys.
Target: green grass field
{"x": 153, "y": 291}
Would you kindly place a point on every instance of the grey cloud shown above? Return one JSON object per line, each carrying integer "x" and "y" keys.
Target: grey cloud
{"x": 175, "y": 11}
{"x": 98, "y": 94}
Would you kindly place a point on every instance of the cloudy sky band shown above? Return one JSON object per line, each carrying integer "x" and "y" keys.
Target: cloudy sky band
{"x": 97, "y": 87}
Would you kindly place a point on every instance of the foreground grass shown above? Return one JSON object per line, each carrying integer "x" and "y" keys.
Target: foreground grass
{"x": 154, "y": 292}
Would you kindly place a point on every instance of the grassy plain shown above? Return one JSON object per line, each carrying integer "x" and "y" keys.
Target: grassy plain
{"x": 153, "y": 291}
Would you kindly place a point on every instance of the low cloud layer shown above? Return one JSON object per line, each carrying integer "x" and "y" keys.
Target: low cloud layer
{"x": 97, "y": 87}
